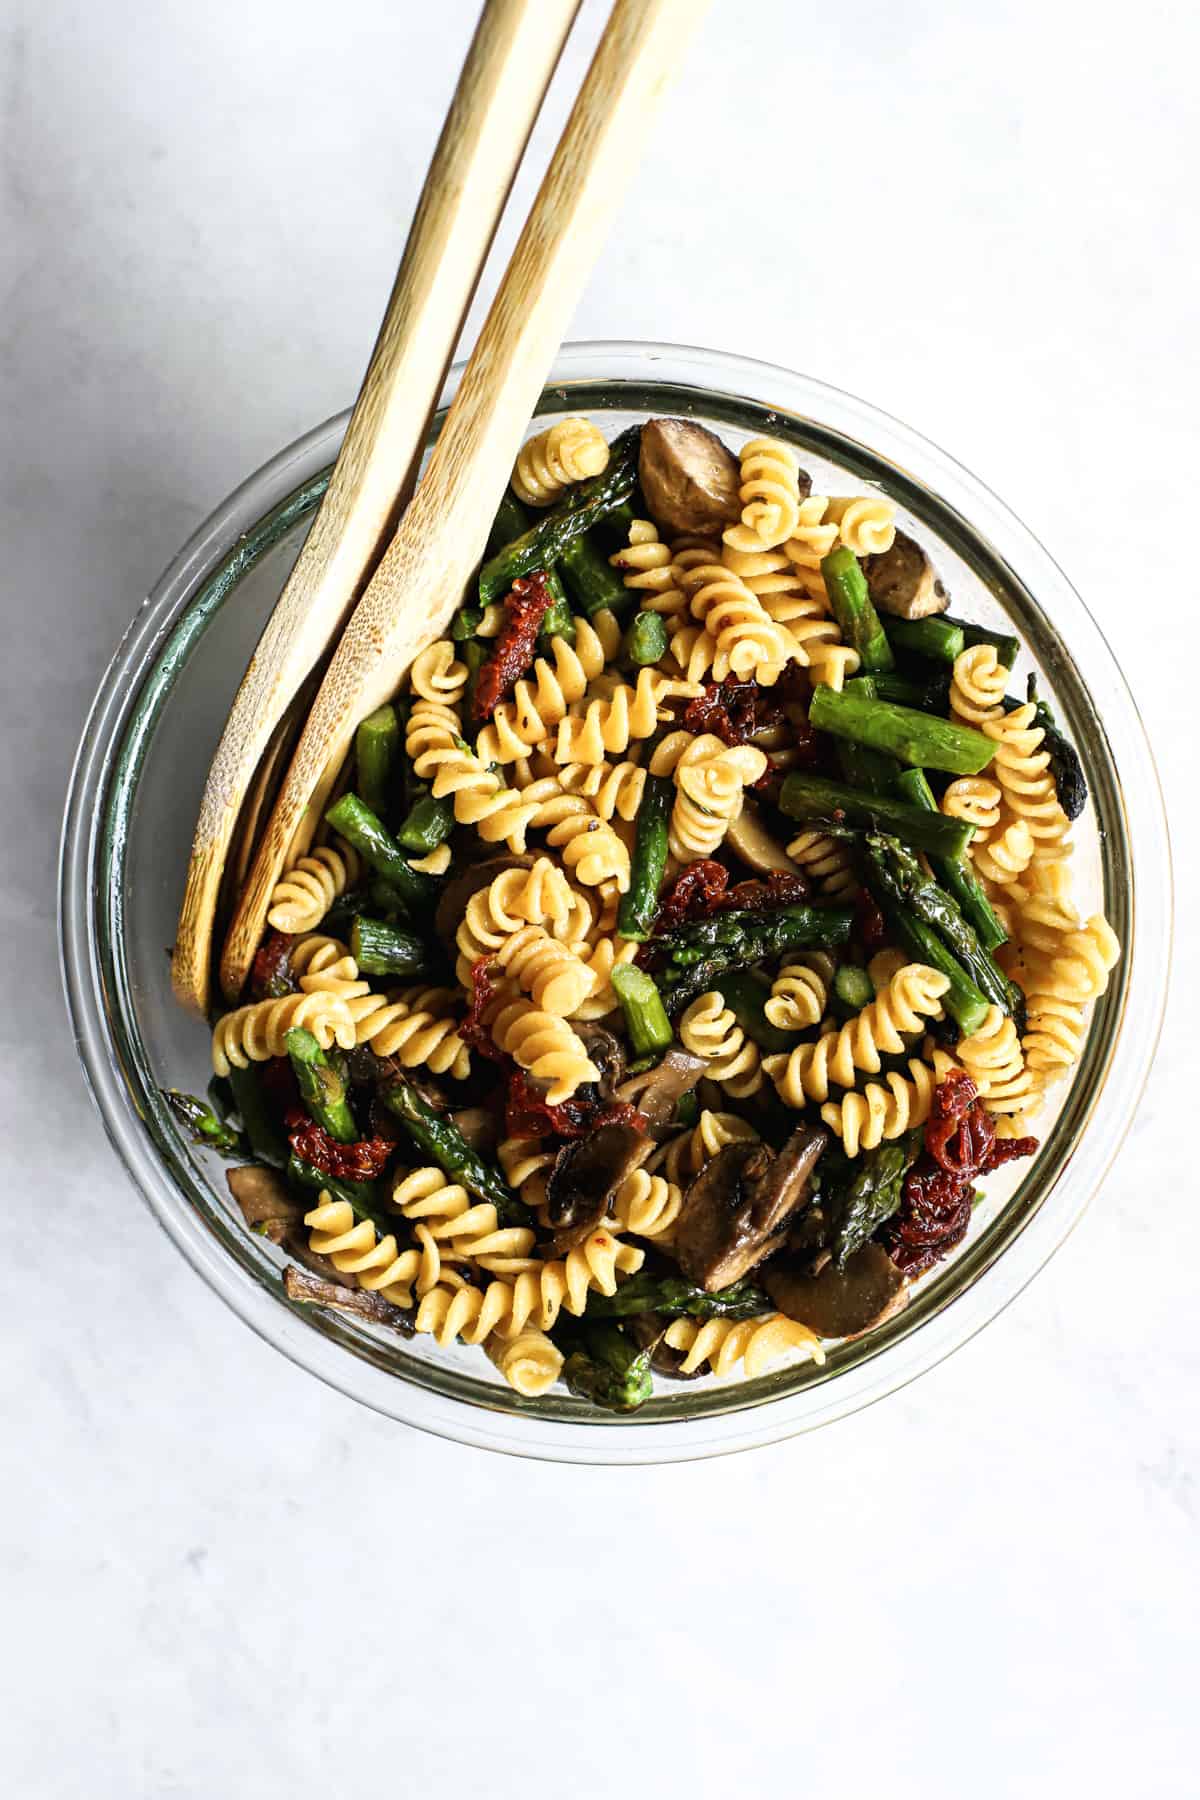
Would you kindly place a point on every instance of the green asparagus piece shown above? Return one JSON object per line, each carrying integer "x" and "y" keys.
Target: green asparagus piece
{"x": 474, "y": 654}
{"x": 962, "y": 1000}
{"x": 510, "y": 522}
{"x": 558, "y": 621}
{"x": 203, "y": 1124}
{"x": 612, "y": 532}
{"x": 590, "y": 578}
{"x": 871, "y": 1195}
{"x": 646, "y": 639}
{"x": 646, "y": 1019}
{"x": 635, "y": 916}
{"x": 439, "y": 1137}
{"x": 321, "y": 1087}
{"x": 429, "y": 824}
{"x": 1007, "y": 648}
{"x": 674, "y": 1298}
{"x": 834, "y": 807}
{"x": 936, "y": 638}
{"x": 606, "y": 1367}
{"x": 370, "y": 836}
{"x": 935, "y": 908}
{"x": 872, "y": 771}
{"x": 466, "y": 623}
{"x": 266, "y": 1141}
{"x": 746, "y": 997}
{"x": 542, "y": 546}
{"x": 382, "y": 949}
{"x": 930, "y": 695}
{"x": 687, "y": 1109}
{"x": 363, "y": 1197}
{"x": 853, "y": 987}
{"x": 915, "y": 737}
{"x": 376, "y": 747}
{"x": 854, "y": 610}
{"x": 955, "y": 873}
{"x": 698, "y": 955}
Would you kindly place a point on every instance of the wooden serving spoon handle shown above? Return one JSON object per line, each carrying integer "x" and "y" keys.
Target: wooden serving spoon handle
{"x": 504, "y": 79}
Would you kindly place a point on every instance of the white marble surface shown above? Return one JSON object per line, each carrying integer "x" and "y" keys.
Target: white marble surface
{"x": 219, "y": 1577}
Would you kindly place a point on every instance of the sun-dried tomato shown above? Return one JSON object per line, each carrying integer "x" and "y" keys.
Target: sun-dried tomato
{"x": 363, "y": 1160}
{"x": 524, "y": 609}
{"x": 271, "y": 971}
{"x": 528, "y": 1115}
{"x": 703, "y": 889}
{"x": 473, "y": 1032}
{"x": 733, "y": 710}
{"x": 869, "y": 923}
{"x": 938, "y": 1193}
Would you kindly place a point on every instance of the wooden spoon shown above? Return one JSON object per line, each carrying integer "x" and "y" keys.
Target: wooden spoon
{"x": 420, "y": 581}
{"x": 504, "y": 79}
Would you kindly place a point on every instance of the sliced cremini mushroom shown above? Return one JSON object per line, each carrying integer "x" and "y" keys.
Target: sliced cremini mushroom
{"x": 479, "y": 1127}
{"x": 311, "y": 1290}
{"x": 689, "y": 477}
{"x": 736, "y": 1211}
{"x": 838, "y": 1302}
{"x": 902, "y": 582}
{"x": 750, "y": 839}
{"x": 585, "y": 1176}
{"x": 266, "y": 1205}
{"x": 657, "y": 1092}
{"x": 606, "y": 1051}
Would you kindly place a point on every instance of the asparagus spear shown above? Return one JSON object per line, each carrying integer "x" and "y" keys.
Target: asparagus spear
{"x": 646, "y": 639}
{"x": 852, "y": 988}
{"x": 930, "y": 695}
{"x": 872, "y": 1194}
{"x": 915, "y": 737}
{"x": 955, "y": 873}
{"x": 635, "y": 916}
{"x": 382, "y": 949}
{"x": 854, "y": 610}
{"x": 1007, "y": 648}
{"x": 698, "y": 955}
{"x": 371, "y": 837}
{"x": 646, "y": 1018}
{"x": 909, "y": 886}
{"x": 203, "y": 1124}
{"x": 466, "y": 623}
{"x": 439, "y": 1137}
{"x": 593, "y": 583}
{"x": 321, "y": 1087}
{"x": 266, "y": 1141}
{"x": 674, "y": 1298}
{"x": 512, "y": 521}
{"x": 835, "y": 807}
{"x": 544, "y": 543}
{"x": 936, "y": 638}
{"x": 863, "y": 768}
{"x": 429, "y": 823}
{"x": 606, "y": 1367}
{"x": 376, "y": 746}
{"x": 962, "y": 999}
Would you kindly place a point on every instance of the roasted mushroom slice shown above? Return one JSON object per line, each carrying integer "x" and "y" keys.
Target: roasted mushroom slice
{"x": 657, "y": 1092}
{"x": 690, "y": 479}
{"x": 901, "y": 581}
{"x": 266, "y": 1204}
{"x": 749, "y": 838}
{"x": 585, "y": 1176}
{"x": 838, "y": 1302}
{"x": 606, "y": 1052}
{"x": 736, "y": 1211}
{"x": 310, "y": 1290}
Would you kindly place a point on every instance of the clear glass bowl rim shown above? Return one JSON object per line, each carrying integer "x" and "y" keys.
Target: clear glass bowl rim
{"x": 1123, "y": 1041}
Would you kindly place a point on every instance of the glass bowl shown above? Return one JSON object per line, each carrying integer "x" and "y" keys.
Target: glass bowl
{"x": 132, "y": 805}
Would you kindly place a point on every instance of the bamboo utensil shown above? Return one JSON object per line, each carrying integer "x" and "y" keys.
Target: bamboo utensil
{"x": 505, "y": 76}
{"x": 421, "y": 577}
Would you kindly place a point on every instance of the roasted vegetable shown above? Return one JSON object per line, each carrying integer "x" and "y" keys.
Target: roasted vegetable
{"x": 901, "y": 876}
{"x": 371, "y": 838}
{"x": 838, "y": 1302}
{"x": 850, "y": 601}
{"x": 915, "y": 737}
{"x": 1007, "y": 648}
{"x": 736, "y": 1210}
{"x": 938, "y": 640}
{"x": 376, "y": 747}
{"x": 203, "y": 1124}
{"x": 1065, "y": 765}
{"x": 593, "y": 582}
{"x": 263, "y": 1136}
{"x": 836, "y": 807}
{"x": 689, "y": 477}
{"x": 902, "y": 582}
{"x": 321, "y": 1086}
{"x": 304, "y": 1289}
{"x": 606, "y": 1367}
{"x": 698, "y": 954}
{"x": 428, "y": 823}
{"x": 646, "y": 640}
{"x": 857, "y": 1207}
{"x": 955, "y": 873}
{"x": 635, "y": 916}
{"x": 382, "y": 949}
{"x": 674, "y": 1298}
{"x": 646, "y": 1018}
{"x": 542, "y": 546}
{"x": 440, "y": 1139}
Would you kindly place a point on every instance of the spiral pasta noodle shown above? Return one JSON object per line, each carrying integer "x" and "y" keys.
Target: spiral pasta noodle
{"x": 602, "y": 958}
{"x": 815, "y": 533}
{"x": 541, "y": 702}
{"x": 546, "y": 1046}
{"x": 993, "y": 1058}
{"x": 535, "y": 1298}
{"x": 479, "y": 798}
{"x": 615, "y": 789}
{"x": 526, "y": 1163}
{"x": 456, "y": 1223}
{"x": 647, "y": 1205}
{"x": 257, "y": 1032}
{"x": 1005, "y": 856}
{"x": 436, "y": 674}
{"x": 415, "y": 1026}
{"x": 866, "y": 522}
{"x": 826, "y": 862}
{"x": 912, "y": 996}
{"x": 760, "y": 1345}
{"x": 770, "y": 496}
{"x": 886, "y": 1109}
{"x": 530, "y": 1362}
{"x": 709, "y": 1029}
{"x": 324, "y": 965}
{"x": 710, "y": 781}
{"x": 784, "y": 591}
{"x": 305, "y": 893}
{"x": 977, "y": 686}
{"x": 513, "y": 898}
{"x": 570, "y": 450}
{"x": 589, "y": 846}
{"x": 550, "y": 973}
{"x": 1022, "y": 768}
{"x": 607, "y": 726}
{"x": 800, "y": 992}
{"x": 689, "y": 1152}
{"x": 744, "y": 639}
{"x": 645, "y": 561}
{"x": 975, "y": 799}
{"x": 354, "y": 1247}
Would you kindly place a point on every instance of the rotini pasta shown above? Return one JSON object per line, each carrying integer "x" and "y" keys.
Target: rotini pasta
{"x": 710, "y": 781}
{"x": 479, "y": 798}
{"x": 538, "y": 705}
{"x": 911, "y": 997}
{"x": 437, "y": 674}
{"x": 886, "y": 1109}
{"x": 974, "y": 798}
{"x": 608, "y": 726}
{"x": 770, "y": 496}
{"x": 534, "y": 1298}
{"x": 866, "y": 523}
{"x": 546, "y": 1046}
{"x": 589, "y": 846}
{"x": 550, "y": 973}
{"x": 760, "y": 1345}
{"x": 530, "y": 1362}
{"x": 647, "y": 1205}
{"x": 645, "y": 561}
{"x": 1022, "y": 768}
{"x": 688, "y": 1153}
{"x": 744, "y": 640}
{"x": 993, "y": 1059}
{"x": 800, "y": 992}
{"x": 826, "y": 862}
{"x": 304, "y": 895}
{"x": 570, "y": 450}
{"x": 709, "y": 1029}
{"x": 415, "y": 1026}
{"x": 459, "y": 1225}
{"x": 257, "y": 1032}
{"x": 1004, "y": 857}
{"x": 354, "y": 1247}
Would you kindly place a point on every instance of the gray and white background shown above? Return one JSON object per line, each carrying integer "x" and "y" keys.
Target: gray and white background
{"x": 218, "y": 1577}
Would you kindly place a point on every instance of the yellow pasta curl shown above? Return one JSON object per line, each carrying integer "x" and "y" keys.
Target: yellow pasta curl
{"x": 770, "y": 496}
{"x": 355, "y": 1247}
{"x": 303, "y": 895}
{"x": 570, "y": 450}
{"x": 760, "y": 1345}
{"x": 550, "y": 973}
{"x": 992, "y": 1058}
{"x": 456, "y": 1222}
{"x": 866, "y": 522}
{"x": 975, "y": 799}
{"x": 602, "y": 957}
{"x": 255, "y": 1033}
{"x": 648, "y": 1205}
{"x": 745, "y": 640}
{"x": 324, "y": 965}
{"x": 815, "y": 534}
{"x": 1022, "y": 767}
{"x": 589, "y": 846}
{"x": 710, "y": 782}
{"x": 800, "y": 992}
{"x": 977, "y": 685}
{"x": 1006, "y": 855}
{"x": 616, "y": 789}
{"x": 608, "y": 725}
{"x": 526, "y": 1163}
{"x": 806, "y": 1073}
{"x": 437, "y": 674}
{"x": 886, "y": 1109}
{"x": 415, "y": 1026}
{"x": 539, "y": 702}
{"x": 645, "y": 561}
{"x": 530, "y": 1362}
{"x": 534, "y": 1298}
{"x": 687, "y": 1154}
{"x": 709, "y": 1029}
{"x": 479, "y": 797}
{"x": 546, "y": 1046}
{"x": 826, "y": 861}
